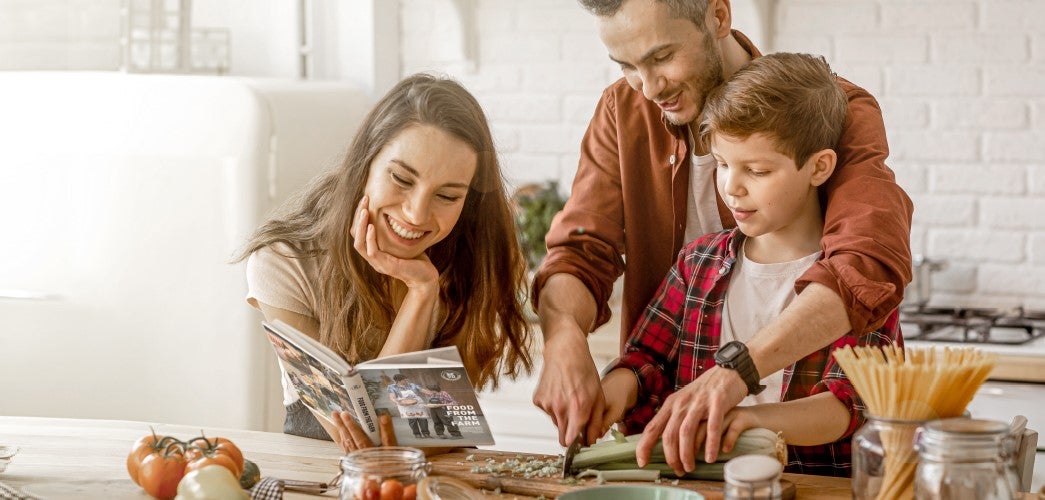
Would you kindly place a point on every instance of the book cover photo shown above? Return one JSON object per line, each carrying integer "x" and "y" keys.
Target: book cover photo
{"x": 427, "y": 393}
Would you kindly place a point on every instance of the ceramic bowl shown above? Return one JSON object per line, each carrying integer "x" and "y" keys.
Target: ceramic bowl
{"x": 631, "y": 492}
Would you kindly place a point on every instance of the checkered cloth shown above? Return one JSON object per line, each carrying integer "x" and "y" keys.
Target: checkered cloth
{"x": 270, "y": 488}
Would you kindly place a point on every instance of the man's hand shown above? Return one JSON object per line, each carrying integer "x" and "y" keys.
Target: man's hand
{"x": 569, "y": 390}
{"x": 679, "y": 421}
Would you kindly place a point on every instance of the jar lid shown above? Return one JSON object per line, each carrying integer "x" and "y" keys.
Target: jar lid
{"x": 752, "y": 469}
{"x": 967, "y": 426}
{"x": 384, "y": 458}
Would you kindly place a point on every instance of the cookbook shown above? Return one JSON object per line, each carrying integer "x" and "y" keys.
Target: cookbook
{"x": 427, "y": 393}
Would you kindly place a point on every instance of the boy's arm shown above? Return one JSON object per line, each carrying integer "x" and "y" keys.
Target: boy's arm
{"x": 652, "y": 350}
{"x": 814, "y": 420}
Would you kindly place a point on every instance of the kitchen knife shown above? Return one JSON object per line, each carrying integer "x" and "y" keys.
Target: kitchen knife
{"x": 567, "y": 462}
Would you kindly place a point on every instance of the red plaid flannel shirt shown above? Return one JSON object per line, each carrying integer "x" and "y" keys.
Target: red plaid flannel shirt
{"x": 677, "y": 335}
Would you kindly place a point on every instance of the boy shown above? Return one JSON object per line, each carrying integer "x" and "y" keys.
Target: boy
{"x": 406, "y": 395}
{"x": 771, "y": 129}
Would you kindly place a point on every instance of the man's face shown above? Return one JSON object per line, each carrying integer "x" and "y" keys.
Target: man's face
{"x": 669, "y": 60}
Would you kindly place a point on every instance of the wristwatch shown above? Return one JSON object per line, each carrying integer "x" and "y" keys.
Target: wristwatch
{"x": 734, "y": 355}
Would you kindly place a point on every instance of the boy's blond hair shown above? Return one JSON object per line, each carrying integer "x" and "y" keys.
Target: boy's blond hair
{"x": 793, "y": 98}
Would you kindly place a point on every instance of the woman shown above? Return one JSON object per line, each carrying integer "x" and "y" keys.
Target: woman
{"x": 408, "y": 244}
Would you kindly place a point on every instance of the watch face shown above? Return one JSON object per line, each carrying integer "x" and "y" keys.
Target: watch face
{"x": 729, "y": 351}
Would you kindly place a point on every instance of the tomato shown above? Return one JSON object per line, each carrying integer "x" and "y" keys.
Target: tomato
{"x": 410, "y": 492}
{"x": 210, "y": 459}
{"x": 370, "y": 489}
{"x": 142, "y": 448}
{"x": 160, "y": 473}
{"x": 201, "y": 446}
{"x": 391, "y": 489}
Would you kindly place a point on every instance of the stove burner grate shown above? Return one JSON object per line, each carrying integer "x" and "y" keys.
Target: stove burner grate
{"x": 972, "y": 325}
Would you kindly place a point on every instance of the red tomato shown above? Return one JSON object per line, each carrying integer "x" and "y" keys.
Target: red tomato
{"x": 211, "y": 459}
{"x": 391, "y": 489}
{"x": 369, "y": 490}
{"x": 142, "y": 448}
{"x": 201, "y": 446}
{"x": 160, "y": 474}
{"x": 410, "y": 492}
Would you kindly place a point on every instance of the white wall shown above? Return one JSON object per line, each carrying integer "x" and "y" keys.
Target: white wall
{"x": 961, "y": 83}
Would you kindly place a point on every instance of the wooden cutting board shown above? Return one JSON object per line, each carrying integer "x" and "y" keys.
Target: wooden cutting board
{"x": 457, "y": 465}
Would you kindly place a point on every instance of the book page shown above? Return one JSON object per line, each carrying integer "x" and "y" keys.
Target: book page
{"x": 321, "y": 387}
{"x": 429, "y": 405}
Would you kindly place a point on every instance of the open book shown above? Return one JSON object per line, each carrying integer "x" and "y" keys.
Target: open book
{"x": 427, "y": 393}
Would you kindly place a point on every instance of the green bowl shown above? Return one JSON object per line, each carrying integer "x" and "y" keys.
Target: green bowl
{"x": 631, "y": 492}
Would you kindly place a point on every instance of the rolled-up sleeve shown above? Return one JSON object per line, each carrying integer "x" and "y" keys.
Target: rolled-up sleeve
{"x": 586, "y": 238}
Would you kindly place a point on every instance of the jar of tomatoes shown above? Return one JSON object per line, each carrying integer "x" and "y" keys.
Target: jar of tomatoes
{"x": 390, "y": 472}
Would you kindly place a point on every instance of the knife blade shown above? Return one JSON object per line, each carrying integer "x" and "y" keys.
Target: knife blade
{"x": 567, "y": 461}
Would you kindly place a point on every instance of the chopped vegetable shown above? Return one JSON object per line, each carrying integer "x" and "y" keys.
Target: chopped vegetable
{"x": 601, "y": 476}
{"x": 617, "y": 455}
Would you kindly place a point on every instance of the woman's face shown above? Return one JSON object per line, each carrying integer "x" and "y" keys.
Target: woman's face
{"x": 417, "y": 186}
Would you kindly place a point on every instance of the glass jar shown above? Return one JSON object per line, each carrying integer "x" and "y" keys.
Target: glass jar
{"x": 445, "y": 488}
{"x": 966, "y": 458}
{"x": 372, "y": 473}
{"x": 752, "y": 477}
{"x": 885, "y": 458}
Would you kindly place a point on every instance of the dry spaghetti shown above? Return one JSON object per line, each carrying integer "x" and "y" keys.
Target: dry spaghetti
{"x": 912, "y": 385}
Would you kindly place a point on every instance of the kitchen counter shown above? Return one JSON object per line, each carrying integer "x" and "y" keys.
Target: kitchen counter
{"x": 79, "y": 458}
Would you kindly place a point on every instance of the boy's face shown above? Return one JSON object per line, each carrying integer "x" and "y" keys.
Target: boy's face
{"x": 763, "y": 188}
{"x": 669, "y": 60}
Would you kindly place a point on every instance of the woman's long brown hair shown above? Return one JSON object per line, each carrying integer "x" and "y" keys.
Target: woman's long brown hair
{"x": 481, "y": 265}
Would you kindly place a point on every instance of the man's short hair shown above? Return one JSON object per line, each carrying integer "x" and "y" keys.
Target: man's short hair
{"x": 398, "y": 377}
{"x": 694, "y": 10}
{"x": 793, "y": 98}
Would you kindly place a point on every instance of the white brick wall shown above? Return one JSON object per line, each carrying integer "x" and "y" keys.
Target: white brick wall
{"x": 961, "y": 84}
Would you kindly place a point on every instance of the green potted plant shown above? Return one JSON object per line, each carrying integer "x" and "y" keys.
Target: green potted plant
{"x": 535, "y": 207}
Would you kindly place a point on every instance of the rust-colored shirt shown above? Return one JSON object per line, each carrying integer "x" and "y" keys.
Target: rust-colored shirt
{"x": 627, "y": 210}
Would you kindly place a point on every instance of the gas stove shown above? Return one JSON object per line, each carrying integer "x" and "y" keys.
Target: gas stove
{"x": 1012, "y": 327}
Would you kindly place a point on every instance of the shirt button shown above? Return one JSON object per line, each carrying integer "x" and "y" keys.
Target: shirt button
{"x": 671, "y": 159}
{"x": 722, "y": 270}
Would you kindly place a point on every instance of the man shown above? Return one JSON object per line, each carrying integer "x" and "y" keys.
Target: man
{"x": 643, "y": 190}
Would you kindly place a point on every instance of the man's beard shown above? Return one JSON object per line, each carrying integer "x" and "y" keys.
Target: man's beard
{"x": 710, "y": 78}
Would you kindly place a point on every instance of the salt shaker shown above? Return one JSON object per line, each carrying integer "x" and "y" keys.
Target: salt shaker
{"x": 752, "y": 477}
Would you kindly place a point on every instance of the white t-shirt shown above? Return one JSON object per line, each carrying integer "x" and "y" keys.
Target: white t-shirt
{"x": 756, "y": 296}
{"x": 702, "y": 203}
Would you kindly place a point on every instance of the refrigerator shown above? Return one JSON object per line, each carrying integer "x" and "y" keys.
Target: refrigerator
{"x": 122, "y": 201}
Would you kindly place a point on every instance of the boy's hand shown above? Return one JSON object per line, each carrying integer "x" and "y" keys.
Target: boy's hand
{"x": 619, "y": 389}
{"x": 738, "y": 420}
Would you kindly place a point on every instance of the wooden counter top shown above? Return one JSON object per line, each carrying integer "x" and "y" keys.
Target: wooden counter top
{"x": 76, "y": 458}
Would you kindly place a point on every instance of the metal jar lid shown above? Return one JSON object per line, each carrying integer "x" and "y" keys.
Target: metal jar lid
{"x": 965, "y": 440}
